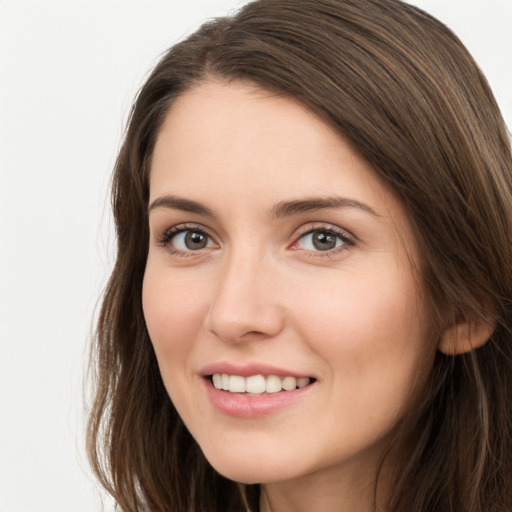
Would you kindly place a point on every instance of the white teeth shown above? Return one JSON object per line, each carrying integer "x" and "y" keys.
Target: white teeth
{"x": 217, "y": 380}
{"x": 236, "y": 384}
{"x": 273, "y": 384}
{"x": 257, "y": 384}
{"x": 289, "y": 383}
{"x": 302, "y": 382}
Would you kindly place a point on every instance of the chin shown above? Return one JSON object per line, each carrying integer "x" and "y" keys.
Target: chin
{"x": 245, "y": 470}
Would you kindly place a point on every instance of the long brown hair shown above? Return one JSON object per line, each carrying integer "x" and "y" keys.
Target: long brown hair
{"x": 405, "y": 92}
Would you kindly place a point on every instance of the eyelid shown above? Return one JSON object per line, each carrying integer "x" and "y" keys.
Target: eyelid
{"x": 347, "y": 238}
{"x": 163, "y": 239}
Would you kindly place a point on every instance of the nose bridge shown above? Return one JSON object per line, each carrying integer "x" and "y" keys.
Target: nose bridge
{"x": 244, "y": 303}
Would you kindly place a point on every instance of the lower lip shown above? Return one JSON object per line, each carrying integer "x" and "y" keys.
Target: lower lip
{"x": 244, "y": 406}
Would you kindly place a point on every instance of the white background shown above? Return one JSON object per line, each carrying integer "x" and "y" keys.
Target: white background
{"x": 69, "y": 71}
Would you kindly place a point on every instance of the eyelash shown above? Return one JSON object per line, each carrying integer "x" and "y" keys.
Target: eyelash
{"x": 171, "y": 233}
{"x": 346, "y": 239}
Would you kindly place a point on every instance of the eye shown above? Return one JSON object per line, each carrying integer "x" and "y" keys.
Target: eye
{"x": 322, "y": 240}
{"x": 191, "y": 241}
{"x": 182, "y": 239}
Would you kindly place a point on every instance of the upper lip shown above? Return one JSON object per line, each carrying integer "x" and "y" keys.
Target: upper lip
{"x": 246, "y": 370}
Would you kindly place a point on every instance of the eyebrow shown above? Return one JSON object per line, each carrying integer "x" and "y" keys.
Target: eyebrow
{"x": 179, "y": 203}
{"x": 281, "y": 209}
{"x": 288, "y": 208}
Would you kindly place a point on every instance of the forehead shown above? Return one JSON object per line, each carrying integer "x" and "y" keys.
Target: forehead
{"x": 233, "y": 130}
{"x": 235, "y": 145}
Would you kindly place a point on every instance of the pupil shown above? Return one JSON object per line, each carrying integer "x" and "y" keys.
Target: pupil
{"x": 324, "y": 241}
{"x": 195, "y": 240}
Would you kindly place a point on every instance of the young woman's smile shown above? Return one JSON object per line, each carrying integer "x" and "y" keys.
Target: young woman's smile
{"x": 279, "y": 292}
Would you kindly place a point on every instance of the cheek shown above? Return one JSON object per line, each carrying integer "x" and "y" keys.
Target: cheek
{"x": 371, "y": 335}
{"x": 173, "y": 312}
{"x": 368, "y": 326}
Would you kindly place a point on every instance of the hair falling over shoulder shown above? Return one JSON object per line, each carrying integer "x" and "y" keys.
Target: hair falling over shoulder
{"x": 404, "y": 91}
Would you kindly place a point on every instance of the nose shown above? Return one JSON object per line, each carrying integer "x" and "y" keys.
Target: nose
{"x": 245, "y": 306}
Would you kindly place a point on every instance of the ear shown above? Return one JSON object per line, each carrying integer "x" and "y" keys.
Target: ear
{"x": 466, "y": 336}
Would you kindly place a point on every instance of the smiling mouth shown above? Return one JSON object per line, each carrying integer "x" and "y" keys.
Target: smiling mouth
{"x": 257, "y": 385}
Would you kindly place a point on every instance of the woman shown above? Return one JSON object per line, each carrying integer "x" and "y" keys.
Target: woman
{"x": 310, "y": 308}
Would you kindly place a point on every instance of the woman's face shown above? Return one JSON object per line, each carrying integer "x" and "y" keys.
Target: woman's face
{"x": 280, "y": 265}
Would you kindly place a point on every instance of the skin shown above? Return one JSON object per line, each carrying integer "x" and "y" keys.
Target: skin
{"x": 261, "y": 292}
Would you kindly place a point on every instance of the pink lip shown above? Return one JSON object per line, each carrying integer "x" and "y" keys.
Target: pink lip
{"x": 248, "y": 369}
{"x": 244, "y": 406}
